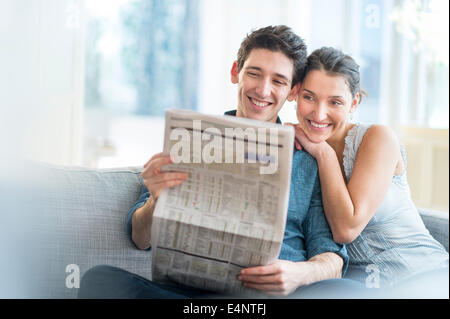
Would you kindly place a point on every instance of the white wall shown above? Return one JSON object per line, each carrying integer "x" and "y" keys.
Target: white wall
{"x": 42, "y": 77}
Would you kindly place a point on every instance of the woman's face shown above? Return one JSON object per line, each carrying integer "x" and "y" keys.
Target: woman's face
{"x": 323, "y": 105}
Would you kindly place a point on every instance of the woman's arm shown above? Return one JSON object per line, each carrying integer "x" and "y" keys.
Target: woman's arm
{"x": 350, "y": 207}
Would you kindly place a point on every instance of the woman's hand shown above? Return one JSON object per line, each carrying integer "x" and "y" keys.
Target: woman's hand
{"x": 302, "y": 142}
{"x": 278, "y": 279}
{"x": 297, "y": 142}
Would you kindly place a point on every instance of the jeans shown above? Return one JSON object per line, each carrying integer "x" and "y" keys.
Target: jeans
{"x": 111, "y": 282}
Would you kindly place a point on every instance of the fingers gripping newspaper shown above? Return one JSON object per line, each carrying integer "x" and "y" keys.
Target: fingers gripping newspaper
{"x": 230, "y": 213}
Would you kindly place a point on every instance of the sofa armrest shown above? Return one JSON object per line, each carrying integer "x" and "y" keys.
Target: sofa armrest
{"x": 437, "y": 224}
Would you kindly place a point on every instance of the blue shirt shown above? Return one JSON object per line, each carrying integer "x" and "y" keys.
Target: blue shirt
{"x": 307, "y": 232}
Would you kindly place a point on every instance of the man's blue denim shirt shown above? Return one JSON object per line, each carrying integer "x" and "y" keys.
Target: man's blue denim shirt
{"x": 307, "y": 232}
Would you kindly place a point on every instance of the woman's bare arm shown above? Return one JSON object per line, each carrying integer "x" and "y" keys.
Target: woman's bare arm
{"x": 350, "y": 207}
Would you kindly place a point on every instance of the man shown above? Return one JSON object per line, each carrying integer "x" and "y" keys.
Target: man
{"x": 270, "y": 63}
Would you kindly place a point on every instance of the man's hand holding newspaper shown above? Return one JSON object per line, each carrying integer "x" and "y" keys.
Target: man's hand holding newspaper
{"x": 230, "y": 212}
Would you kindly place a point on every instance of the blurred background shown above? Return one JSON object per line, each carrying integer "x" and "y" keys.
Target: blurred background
{"x": 86, "y": 83}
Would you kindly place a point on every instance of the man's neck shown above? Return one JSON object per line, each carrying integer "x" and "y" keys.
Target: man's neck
{"x": 240, "y": 114}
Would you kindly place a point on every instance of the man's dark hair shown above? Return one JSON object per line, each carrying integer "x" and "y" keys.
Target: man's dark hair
{"x": 276, "y": 38}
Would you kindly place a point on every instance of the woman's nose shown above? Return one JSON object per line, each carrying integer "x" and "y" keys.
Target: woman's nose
{"x": 320, "y": 113}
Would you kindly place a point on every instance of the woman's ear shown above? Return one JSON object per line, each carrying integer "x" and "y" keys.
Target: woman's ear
{"x": 234, "y": 73}
{"x": 355, "y": 103}
{"x": 294, "y": 93}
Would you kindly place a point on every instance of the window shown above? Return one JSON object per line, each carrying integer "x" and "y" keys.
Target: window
{"x": 144, "y": 56}
{"x": 402, "y": 53}
{"x": 423, "y": 26}
{"x": 361, "y": 29}
{"x": 141, "y": 55}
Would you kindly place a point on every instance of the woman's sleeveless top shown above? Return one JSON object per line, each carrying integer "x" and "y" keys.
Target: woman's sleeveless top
{"x": 395, "y": 243}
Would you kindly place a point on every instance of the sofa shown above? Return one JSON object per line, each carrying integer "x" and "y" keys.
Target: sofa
{"x": 83, "y": 224}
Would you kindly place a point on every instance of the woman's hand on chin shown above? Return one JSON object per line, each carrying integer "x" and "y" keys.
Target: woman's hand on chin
{"x": 298, "y": 145}
{"x": 303, "y": 142}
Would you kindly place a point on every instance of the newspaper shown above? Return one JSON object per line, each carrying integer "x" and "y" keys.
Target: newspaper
{"x": 230, "y": 213}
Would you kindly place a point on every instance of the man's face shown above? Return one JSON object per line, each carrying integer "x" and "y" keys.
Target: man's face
{"x": 264, "y": 84}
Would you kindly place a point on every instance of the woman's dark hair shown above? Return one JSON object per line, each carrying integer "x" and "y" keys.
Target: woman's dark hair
{"x": 335, "y": 62}
{"x": 276, "y": 38}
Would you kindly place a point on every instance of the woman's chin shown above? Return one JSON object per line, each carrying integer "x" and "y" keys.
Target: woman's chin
{"x": 316, "y": 139}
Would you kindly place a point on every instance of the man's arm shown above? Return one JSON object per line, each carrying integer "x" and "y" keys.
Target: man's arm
{"x": 319, "y": 240}
{"x": 140, "y": 219}
{"x": 141, "y": 222}
{"x": 141, "y": 201}
{"x": 283, "y": 277}
{"x": 325, "y": 266}
{"x": 325, "y": 258}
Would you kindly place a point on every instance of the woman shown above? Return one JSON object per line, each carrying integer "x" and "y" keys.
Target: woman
{"x": 362, "y": 172}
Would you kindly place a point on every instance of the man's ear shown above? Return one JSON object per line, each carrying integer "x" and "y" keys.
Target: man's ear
{"x": 234, "y": 73}
{"x": 294, "y": 92}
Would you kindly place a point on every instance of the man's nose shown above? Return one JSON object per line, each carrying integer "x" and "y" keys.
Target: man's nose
{"x": 264, "y": 87}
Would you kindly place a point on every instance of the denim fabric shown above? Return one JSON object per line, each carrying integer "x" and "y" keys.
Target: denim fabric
{"x": 307, "y": 232}
{"x": 143, "y": 197}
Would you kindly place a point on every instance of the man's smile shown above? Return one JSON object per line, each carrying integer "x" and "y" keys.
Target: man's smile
{"x": 259, "y": 105}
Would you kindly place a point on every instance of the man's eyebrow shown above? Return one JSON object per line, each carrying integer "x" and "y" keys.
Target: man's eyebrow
{"x": 260, "y": 70}
{"x": 253, "y": 68}
{"x": 330, "y": 97}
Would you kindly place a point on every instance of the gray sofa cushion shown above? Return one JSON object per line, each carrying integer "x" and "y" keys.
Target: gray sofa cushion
{"x": 437, "y": 223}
{"x": 85, "y": 216}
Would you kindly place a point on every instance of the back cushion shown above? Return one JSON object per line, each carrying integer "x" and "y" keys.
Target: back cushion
{"x": 84, "y": 224}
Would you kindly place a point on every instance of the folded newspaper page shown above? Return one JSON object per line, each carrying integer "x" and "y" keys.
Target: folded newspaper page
{"x": 230, "y": 213}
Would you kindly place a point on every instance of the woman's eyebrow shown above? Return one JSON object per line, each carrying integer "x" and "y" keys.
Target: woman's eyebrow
{"x": 336, "y": 97}
{"x": 330, "y": 97}
{"x": 310, "y": 92}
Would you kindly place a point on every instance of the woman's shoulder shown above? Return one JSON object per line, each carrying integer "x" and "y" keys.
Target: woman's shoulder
{"x": 369, "y": 133}
{"x": 380, "y": 135}
{"x": 365, "y": 138}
